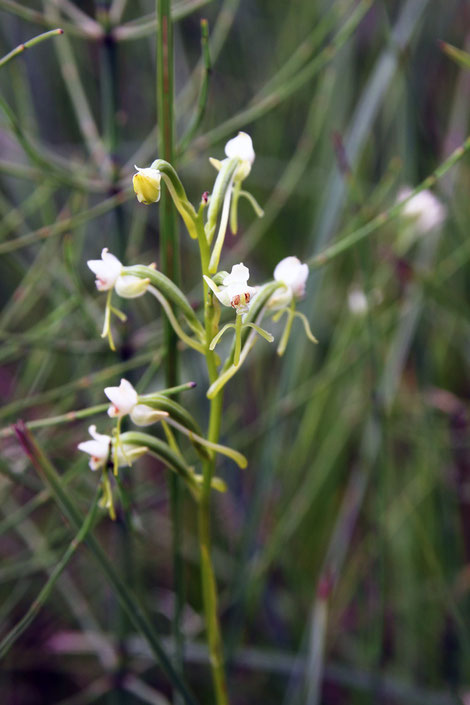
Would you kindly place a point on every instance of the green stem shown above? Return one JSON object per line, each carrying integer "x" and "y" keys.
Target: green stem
{"x": 386, "y": 216}
{"x": 13, "y": 635}
{"x": 30, "y": 43}
{"x": 208, "y": 581}
{"x": 238, "y": 339}
{"x": 127, "y": 598}
{"x": 170, "y": 264}
{"x": 287, "y": 329}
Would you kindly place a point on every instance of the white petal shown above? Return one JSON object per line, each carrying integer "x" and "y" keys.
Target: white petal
{"x": 107, "y": 269}
{"x": 220, "y": 293}
{"x": 98, "y": 448}
{"x": 291, "y": 272}
{"x": 241, "y": 146}
{"x": 123, "y": 398}
{"x": 239, "y": 275}
{"x": 93, "y": 448}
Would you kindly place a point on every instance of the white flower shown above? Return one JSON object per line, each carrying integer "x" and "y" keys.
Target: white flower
{"x": 98, "y": 448}
{"x": 293, "y": 274}
{"x": 234, "y": 291}
{"x": 425, "y": 209}
{"x": 147, "y": 185}
{"x": 109, "y": 274}
{"x": 123, "y": 399}
{"x": 241, "y": 146}
{"x": 357, "y": 301}
{"x": 107, "y": 270}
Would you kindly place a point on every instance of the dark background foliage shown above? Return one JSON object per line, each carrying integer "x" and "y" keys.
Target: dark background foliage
{"x": 342, "y": 551}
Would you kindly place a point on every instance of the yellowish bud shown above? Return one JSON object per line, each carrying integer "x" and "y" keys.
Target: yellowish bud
{"x": 147, "y": 185}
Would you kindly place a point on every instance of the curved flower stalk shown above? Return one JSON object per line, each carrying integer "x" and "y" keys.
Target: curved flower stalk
{"x": 135, "y": 281}
{"x": 252, "y": 319}
{"x": 145, "y": 410}
{"x": 292, "y": 275}
{"x": 146, "y": 179}
{"x": 236, "y": 292}
{"x": 172, "y": 460}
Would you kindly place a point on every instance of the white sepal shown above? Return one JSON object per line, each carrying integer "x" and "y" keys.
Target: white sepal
{"x": 107, "y": 270}
{"x": 293, "y": 274}
{"x": 123, "y": 399}
{"x": 98, "y": 448}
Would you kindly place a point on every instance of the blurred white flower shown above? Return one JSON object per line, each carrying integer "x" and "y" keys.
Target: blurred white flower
{"x": 357, "y": 301}
{"x": 235, "y": 291}
{"x": 123, "y": 399}
{"x": 107, "y": 270}
{"x": 147, "y": 185}
{"x": 426, "y": 210}
{"x": 99, "y": 448}
{"x": 293, "y": 274}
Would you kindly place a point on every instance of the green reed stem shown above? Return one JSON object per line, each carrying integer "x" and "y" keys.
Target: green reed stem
{"x": 30, "y": 43}
{"x": 208, "y": 581}
{"x": 15, "y": 633}
{"x": 126, "y": 597}
{"x": 198, "y": 116}
{"x": 353, "y": 238}
{"x": 30, "y": 15}
{"x": 170, "y": 265}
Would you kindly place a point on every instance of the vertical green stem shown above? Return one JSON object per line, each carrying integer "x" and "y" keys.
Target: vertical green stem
{"x": 238, "y": 339}
{"x": 170, "y": 265}
{"x": 208, "y": 581}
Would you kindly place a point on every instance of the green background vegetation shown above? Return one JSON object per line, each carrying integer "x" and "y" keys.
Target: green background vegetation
{"x": 342, "y": 550}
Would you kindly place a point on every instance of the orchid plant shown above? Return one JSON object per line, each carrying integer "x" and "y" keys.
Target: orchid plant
{"x": 208, "y": 225}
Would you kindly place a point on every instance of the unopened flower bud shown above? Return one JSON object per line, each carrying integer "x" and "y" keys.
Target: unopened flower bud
{"x": 147, "y": 185}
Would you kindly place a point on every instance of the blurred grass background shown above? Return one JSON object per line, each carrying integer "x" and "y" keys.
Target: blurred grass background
{"x": 342, "y": 551}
